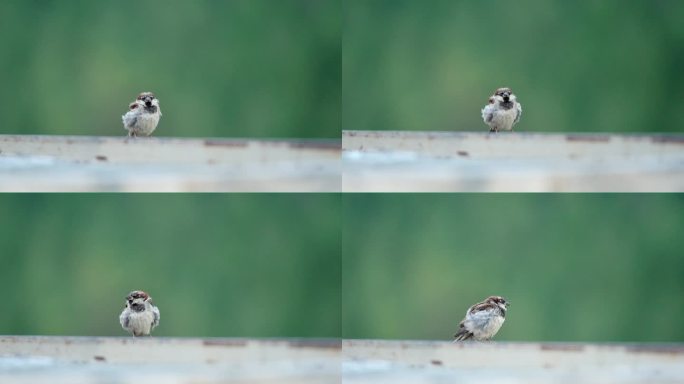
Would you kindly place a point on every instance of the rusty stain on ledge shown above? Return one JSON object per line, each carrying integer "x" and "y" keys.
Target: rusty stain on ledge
{"x": 316, "y": 343}
{"x": 588, "y": 138}
{"x": 654, "y": 348}
{"x": 668, "y": 139}
{"x": 565, "y": 347}
{"x": 226, "y": 143}
{"x": 224, "y": 342}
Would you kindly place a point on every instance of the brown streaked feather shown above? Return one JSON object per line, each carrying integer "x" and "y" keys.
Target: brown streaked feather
{"x": 501, "y": 91}
{"x": 462, "y": 333}
{"x": 138, "y": 295}
{"x": 482, "y": 307}
{"x": 142, "y": 95}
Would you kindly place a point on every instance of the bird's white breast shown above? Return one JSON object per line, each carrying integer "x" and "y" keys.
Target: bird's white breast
{"x": 503, "y": 119}
{"x": 140, "y": 122}
{"x": 146, "y": 123}
{"x": 139, "y": 323}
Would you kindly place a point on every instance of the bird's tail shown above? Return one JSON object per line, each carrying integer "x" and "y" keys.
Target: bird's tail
{"x": 462, "y": 335}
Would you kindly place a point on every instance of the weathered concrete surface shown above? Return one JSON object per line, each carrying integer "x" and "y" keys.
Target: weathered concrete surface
{"x": 41, "y": 359}
{"x": 112, "y": 164}
{"x": 391, "y": 161}
{"x": 397, "y": 362}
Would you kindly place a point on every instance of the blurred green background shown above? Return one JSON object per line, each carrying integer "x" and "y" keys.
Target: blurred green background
{"x": 575, "y": 267}
{"x": 233, "y": 68}
{"x": 584, "y": 65}
{"x": 216, "y": 265}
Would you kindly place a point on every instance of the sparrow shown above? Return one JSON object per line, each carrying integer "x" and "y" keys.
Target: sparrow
{"x": 503, "y": 111}
{"x": 139, "y": 316}
{"x": 142, "y": 116}
{"x": 483, "y": 320}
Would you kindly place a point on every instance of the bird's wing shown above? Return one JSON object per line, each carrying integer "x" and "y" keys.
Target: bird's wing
{"x": 462, "y": 333}
{"x": 481, "y": 314}
{"x": 487, "y": 113}
{"x": 479, "y": 307}
{"x": 518, "y": 114}
{"x": 155, "y": 314}
{"x": 124, "y": 319}
{"x": 129, "y": 119}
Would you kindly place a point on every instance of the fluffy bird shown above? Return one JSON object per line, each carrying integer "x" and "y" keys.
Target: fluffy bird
{"x": 142, "y": 116}
{"x": 503, "y": 111}
{"x": 483, "y": 320}
{"x": 139, "y": 316}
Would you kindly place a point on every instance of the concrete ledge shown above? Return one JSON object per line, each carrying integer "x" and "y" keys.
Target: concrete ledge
{"x": 382, "y": 361}
{"x": 33, "y": 359}
{"x": 391, "y": 161}
{"x": 512, "y": 145}
{"x": 83, "y": 163}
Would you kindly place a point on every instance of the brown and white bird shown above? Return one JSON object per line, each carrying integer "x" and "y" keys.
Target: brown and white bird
{"x": 139, "y": 316}
{"x": 142, "y": 116}
{"x": 503, "y": 111}
{"x": 483, "y": 320}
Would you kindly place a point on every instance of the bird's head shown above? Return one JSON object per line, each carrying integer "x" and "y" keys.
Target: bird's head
{"x": 499, "y": 301}
{"x": 503, "y": 97}
{"x": 136, "y": 300}
{"x": 148, "y": 102}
